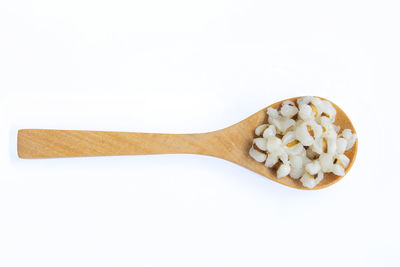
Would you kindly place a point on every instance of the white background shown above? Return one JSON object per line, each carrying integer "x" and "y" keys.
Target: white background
{"x": 194, "y": 66}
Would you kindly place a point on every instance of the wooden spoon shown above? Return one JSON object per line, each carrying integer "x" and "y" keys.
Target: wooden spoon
{"x": 231, "y": 143}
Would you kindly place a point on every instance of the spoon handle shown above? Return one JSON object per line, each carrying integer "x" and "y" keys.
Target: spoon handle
{"x": 41, "y": 143}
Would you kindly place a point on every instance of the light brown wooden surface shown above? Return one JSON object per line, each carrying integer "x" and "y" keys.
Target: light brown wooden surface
{"x": 231, "y": 143}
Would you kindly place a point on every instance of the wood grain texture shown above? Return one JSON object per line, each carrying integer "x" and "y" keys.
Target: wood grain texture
{"x": 231, "y": 143}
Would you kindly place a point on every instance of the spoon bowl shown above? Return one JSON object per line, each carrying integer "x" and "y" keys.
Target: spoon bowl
{"x": 247, "y": 127}
{"x": 231, "y": 143}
